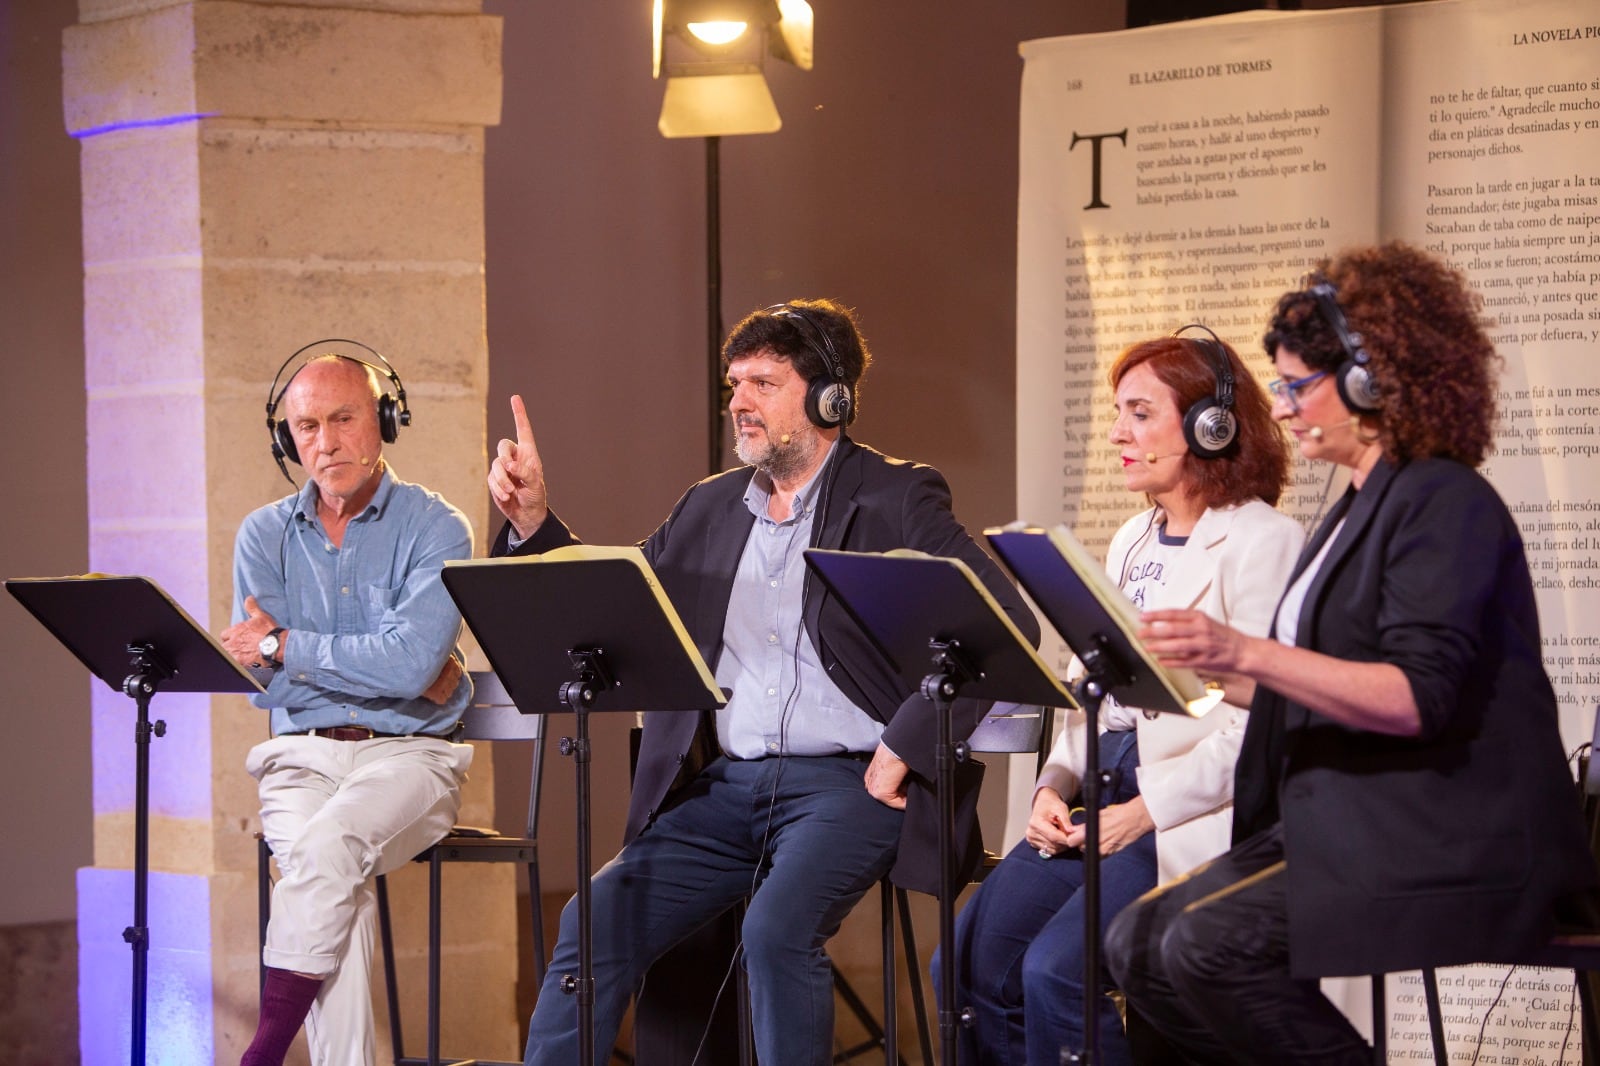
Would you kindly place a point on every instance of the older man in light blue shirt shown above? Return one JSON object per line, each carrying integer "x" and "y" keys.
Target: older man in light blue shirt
{"x": 338, "y": 595}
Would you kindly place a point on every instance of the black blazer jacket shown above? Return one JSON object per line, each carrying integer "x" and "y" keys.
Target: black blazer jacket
{"x": 874, "y": 504}
{"x": 1452, "y": 846}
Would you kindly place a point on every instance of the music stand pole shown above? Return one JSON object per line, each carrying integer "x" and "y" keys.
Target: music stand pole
{"x": 940, "y": 688}
{"x": 576, "y": 696}
{"x": 1090, "y": 692}
{"x": 148, "y": 671}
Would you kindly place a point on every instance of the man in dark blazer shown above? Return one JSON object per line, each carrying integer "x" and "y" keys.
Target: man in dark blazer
{"x": 818, "y": 775}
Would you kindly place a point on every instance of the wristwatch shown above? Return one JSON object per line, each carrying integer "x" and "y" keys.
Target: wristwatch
{"x": 270, "y": 646}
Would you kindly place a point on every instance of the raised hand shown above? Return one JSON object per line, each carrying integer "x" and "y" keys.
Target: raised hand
{"x": 516, "y": 477}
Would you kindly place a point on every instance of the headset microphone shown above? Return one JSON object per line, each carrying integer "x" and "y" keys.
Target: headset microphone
{"x": 1151, "y": 457}
{"x": 1316, "y": 432}
{"x": 784, "y": 439}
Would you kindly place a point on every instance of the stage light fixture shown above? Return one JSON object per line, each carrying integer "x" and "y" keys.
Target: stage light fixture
{"x": 711, "y": 53}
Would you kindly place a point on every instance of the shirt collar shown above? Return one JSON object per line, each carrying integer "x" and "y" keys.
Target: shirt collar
{"x": 305, "y": 504}
{"x": 759, "y": 493}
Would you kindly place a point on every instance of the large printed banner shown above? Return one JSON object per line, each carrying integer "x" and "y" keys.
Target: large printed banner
{"x": 1193, "y": 172}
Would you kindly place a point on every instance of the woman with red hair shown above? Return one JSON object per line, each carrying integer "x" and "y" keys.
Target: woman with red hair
{"x": 1195, "y": 437}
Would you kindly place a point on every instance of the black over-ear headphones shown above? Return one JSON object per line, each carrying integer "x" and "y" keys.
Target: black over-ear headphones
{"x": 392, "y": 409}
{"x": 1357, "y": 387}
{"x": 829, "y": 401}
{"x": 1209, "y": 425}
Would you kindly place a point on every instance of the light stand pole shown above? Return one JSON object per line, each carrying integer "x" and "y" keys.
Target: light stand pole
{"x": 717, "y": 398}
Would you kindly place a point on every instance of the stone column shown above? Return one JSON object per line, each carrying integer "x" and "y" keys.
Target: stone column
{"x": 255, "y": 177}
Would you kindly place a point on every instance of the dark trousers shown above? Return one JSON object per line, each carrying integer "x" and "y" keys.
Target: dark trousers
{"x": 801, "y": 834}
{"x": 1020, "y": 944}
{"x": 1205, "y": 961}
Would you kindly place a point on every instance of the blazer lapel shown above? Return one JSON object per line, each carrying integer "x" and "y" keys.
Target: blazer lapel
{"x": 1363, "y": 505}
{"x": 1196, "y": 564}
{"x": 725, "y": 537}
{"x": 837, "y": 503}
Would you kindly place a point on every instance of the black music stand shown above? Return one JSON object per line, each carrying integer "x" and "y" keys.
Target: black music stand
{"x": 1100, "y": 624}
{"x": 582, "y": 629}
{"x": 131, "y": 635}
{"x": 921, "y": 609}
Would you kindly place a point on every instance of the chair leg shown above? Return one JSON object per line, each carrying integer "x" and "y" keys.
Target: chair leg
{"x": 1430, "y": 989}
{"x": 263, "y": 908}
{"x": 1586, "y": 1012}
{"x": 919, "y": 1002}
{"x": 391, "y": 986}
{"x": 1380, "y": 1021}
{"x": 435, "y": 947}
{"x": 536, "y": 905}
{"x": 858, "y": 1007}
{"x": 891, "y": 984}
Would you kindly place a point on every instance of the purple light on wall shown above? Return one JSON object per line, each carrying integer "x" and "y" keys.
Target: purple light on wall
{"x": 178, "y": 1013}
{"x": 135, "y": 124}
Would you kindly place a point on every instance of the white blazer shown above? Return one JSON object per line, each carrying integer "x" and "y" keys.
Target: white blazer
{"x": 1234, "y": 568}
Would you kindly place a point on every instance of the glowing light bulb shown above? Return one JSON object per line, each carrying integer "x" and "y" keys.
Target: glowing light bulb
{"x": 718, "y": 32}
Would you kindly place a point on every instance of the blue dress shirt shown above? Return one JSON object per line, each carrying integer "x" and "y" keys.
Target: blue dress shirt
{"x": 370, "y": 622}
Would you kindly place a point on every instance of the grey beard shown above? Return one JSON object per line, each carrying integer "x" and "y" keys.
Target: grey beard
{"x": 779, "y": 462}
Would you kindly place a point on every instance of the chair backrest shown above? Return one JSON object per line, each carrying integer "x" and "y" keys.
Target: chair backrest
{"x": 1016, "y": 728}
{"x": 492, "y": 716}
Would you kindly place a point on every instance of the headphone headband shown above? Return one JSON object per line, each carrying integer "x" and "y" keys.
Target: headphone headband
{"x": 1357, "y": 387}
{"x": 1327, "y": 298}
{"x": 393, "y": 411}
{"x": 820, "y": 342}
{"x": 830, "y": 401}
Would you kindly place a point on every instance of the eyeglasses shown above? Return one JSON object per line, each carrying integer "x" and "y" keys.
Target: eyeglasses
{"x": 1291, "y": 389}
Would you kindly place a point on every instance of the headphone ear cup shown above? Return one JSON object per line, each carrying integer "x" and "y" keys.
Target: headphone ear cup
{"x": 1357, "y": 387}
{"x": 1209, "y": 428}
{"x": 388, "y": 418}
{"x": 829, "y": 403}
{"x": 283, "y": 441}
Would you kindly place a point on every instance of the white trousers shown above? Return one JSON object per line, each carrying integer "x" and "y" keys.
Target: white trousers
{"x": 336, "y": 814}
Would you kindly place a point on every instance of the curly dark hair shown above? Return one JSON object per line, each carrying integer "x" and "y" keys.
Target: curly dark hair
{"x": 1256, "y": 464}
{"x": 1427, "y": 341}
{"x": 796, "y": 340}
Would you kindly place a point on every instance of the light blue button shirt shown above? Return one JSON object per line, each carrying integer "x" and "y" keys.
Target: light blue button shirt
{"x": 783, "y": 701}
{"x": 370, "y": 622}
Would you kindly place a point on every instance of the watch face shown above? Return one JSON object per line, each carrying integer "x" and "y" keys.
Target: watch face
{"x": 268, "y": 646}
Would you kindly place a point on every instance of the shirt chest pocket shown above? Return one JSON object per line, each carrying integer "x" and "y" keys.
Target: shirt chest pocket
{"x": 381, "y": 598}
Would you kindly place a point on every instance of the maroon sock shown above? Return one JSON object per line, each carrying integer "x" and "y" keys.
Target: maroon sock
{"x": 285, "y": 1001}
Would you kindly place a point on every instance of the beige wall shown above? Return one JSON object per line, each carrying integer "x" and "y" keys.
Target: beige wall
{"x": 891, "y": 187}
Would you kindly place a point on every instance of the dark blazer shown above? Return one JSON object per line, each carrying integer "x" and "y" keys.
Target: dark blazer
{"x": 873, "y": 504}
{"x": 1448, "y": 847}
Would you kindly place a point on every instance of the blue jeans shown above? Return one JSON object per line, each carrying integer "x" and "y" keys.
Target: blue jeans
{"x": 801, "y": 834}
{"x": 1019, "y": 944}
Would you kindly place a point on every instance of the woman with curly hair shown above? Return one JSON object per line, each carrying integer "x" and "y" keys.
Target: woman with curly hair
{"x": 1196, "y": 440}
{"x": 1401, "y": 798}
